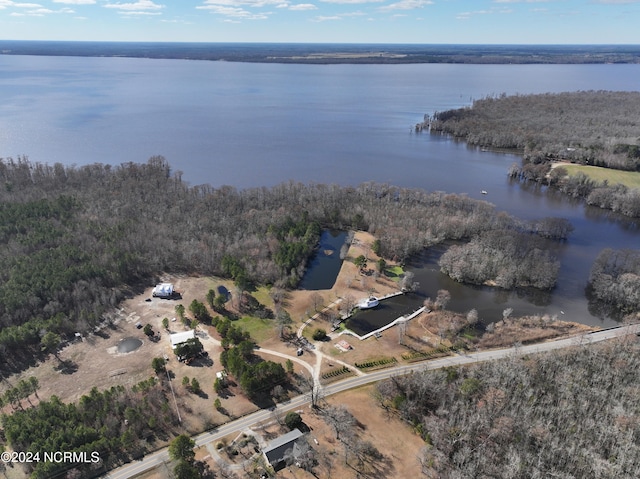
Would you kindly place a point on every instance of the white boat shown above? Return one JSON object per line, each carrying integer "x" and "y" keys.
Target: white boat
{"x": 369, "y": 303}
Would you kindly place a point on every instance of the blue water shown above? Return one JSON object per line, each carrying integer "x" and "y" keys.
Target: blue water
{"x": 323, "y": 268}
{"x": 249, "y": 124}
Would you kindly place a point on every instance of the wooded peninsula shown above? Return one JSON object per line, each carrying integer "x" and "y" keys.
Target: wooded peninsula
{"x": 77, "y": 240}
{"x": 595, "y": 128}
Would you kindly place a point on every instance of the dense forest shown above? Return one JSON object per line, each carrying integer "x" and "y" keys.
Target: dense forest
{"x": 118, "y": 424}
{"x": 600, "y": 128}
{"x": 506, "y": 259}
{"x": 571, "y": 414}
{"x": 615, "y": 279}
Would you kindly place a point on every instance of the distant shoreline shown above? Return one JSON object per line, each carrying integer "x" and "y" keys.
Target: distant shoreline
{"x": 317, "y": 53}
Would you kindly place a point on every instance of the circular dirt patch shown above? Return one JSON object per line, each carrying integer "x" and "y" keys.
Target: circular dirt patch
{"x": 127, "y": 345}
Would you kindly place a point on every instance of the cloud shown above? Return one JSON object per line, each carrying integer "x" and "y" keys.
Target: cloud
{"x": 405, "y": 5}
{"x": 301, "y": 7}
{"x": 8, "y": 3}
{"x": 521, "y": 1}
{"x": 327, "y": 18}
{"x": 38, "y": 12}
{"x": 346, "y": 2}
{"x": 76, "y": 2}
{"x": 31, "y": 9}
{"x": 234, "y": 12}
{"x": 491, "y": 11}
{"x": 139, "y": 6}
{"x": 237, "y": 3}
{"x": 240, "y": 9}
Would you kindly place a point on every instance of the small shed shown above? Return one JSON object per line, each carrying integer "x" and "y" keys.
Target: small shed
{"x": 179, "y": 338}
{"x": 277, "y": 449}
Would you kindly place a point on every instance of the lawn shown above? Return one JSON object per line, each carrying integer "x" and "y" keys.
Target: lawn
{"x": 263, "y": 296}
{"x": 259, "y": 329}
{"x": 394, "y": 272}
{"x": 630, "y": 179}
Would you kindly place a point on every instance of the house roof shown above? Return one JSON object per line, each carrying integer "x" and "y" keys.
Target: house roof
{"x": 279, "y": 446}
{"x": 179, "y": 338}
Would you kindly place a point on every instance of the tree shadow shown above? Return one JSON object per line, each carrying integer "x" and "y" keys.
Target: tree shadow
{"x": 66, "y": 366}
{"x": 102, "y": 334}
{"x": 202, "y": 362}
{"x": 202, "y": 394}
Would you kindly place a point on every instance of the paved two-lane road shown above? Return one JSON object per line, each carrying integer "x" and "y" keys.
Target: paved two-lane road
{"x": 157, "y": 458}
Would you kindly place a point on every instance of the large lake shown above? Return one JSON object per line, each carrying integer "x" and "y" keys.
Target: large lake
{"x": 246, "y": 124}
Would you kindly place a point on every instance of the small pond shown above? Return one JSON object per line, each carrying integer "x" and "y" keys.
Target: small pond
{"x": 323, "y": 268}
{"x": 128, "y": 345}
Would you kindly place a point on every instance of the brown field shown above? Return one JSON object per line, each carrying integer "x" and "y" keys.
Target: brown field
{"x": 392, "y": 437}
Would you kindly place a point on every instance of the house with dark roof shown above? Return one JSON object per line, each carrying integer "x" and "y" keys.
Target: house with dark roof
{"x": 276, "y": 451}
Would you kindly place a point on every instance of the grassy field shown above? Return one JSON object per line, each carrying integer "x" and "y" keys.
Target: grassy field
{"x": 630, "y": 179}
{"x": 259, "y": 329}
{"x": 394, "y": 272}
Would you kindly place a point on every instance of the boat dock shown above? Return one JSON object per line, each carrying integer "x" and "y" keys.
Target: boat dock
{"x": 387, "y": 326}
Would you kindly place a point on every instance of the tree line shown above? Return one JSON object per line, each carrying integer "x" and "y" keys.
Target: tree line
{"x": 506, "y": 259}
{"x": 118, "y": 424}
{"x": 592, "y": 127}
{"x": 617, "y": 197}
{"x": 561, "y": 414}
{"x": 615, "y": 279}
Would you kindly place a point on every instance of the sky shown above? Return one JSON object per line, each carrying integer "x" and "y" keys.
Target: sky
{"x": 325, "y": 21}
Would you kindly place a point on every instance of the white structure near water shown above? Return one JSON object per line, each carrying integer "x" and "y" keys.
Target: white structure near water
{"x": 368, "y": 303}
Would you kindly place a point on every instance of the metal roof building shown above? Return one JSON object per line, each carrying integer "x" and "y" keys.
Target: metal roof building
{"x": 277, "y": 448}
{"x": 179, "y": 338}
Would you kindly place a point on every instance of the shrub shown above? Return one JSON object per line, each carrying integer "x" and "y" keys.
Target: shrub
{"x": 319, "y": 334}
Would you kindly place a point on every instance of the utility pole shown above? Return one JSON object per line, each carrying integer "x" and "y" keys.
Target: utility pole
{"x": 175, "y": 401}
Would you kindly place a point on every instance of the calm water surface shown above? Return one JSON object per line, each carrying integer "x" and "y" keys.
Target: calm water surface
{"x": 247, "y": 125}
{"x": 323, "y": 268}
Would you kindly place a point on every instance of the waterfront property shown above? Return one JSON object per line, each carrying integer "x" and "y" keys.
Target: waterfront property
{"x": 387, "y": 326}
{"x": 368, "y": 303}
